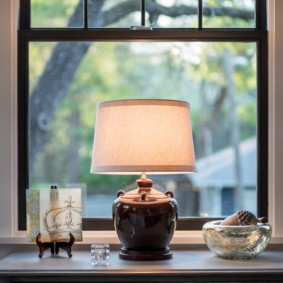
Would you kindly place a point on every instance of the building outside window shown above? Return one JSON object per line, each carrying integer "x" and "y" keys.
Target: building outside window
{"x": 213, "y": 54}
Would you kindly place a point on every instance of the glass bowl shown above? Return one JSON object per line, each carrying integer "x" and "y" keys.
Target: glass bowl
{"x": 236, "y": 242}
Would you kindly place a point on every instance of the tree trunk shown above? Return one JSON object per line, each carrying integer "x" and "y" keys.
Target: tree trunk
{"x": 54, "y": 84}
{"x": 73, "y": 159}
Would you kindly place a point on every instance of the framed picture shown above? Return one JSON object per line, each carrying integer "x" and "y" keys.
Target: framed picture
{"x": 54, "y": 213}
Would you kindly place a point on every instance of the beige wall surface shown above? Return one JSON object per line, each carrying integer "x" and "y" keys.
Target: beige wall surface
{"x": 8, "y": 112}
{"x": 276, "y": 115}
{"x": 7, "y": 116}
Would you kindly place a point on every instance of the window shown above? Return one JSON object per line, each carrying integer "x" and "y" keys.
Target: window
{"x": 213, "y": 54}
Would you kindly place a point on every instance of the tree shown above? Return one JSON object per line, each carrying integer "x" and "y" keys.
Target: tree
{"x": 66, "y": 59}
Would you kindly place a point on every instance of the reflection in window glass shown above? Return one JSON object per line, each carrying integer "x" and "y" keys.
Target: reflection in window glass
{"x": 217, "y": 79}
{"x": 56, "y": 13}
{"x": 229, "y": 13}
{"x": 159, "y": 13}
{"x": 179, "y": 13}
{"x": 113, "y": 13}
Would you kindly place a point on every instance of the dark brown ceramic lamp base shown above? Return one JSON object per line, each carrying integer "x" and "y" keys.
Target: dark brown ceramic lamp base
{"x": 145, "y": 220}
{"x": 145, "y": 255}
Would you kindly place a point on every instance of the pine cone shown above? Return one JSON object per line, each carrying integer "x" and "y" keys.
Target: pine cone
{"x": 242, "y": 218}
{"x": 246, "y": 218}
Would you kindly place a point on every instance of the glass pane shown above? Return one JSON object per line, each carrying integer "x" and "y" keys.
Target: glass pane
{"x": 67, "y": 80}
{"x": 229, "y": 13}
{"x": 56, "y": 13}
{"x": 159, "y": 13}
{"x": 172, "y": 13}
{"x": 114, "y": 14}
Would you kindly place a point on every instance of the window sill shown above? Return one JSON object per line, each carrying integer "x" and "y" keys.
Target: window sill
{"x": 110, "y": 237}
{"x": 186, "y": 265}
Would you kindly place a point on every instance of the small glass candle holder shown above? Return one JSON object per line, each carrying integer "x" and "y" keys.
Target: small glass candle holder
{"x": 100, "y": 254}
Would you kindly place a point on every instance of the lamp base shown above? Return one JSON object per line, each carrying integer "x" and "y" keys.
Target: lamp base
{"x": 145, "y": 255}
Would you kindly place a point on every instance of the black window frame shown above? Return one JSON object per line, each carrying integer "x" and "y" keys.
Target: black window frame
{"x": 259, "y": 35}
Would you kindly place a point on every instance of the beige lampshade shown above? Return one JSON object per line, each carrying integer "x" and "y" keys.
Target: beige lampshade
{"x": 143, "y": 135}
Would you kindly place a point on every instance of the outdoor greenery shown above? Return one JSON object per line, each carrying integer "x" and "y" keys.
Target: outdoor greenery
{"x": 53, "y": 13}
{"x": 218, "y": 79}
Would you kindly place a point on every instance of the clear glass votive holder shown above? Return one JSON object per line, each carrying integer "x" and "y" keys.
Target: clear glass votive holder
{"x": 100, "y": 254}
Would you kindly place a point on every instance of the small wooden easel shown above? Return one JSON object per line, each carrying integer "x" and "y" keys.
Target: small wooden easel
{"x": 54, "y": 246}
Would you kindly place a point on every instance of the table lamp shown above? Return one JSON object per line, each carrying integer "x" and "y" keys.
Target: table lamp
{"x": 139, "y": 136}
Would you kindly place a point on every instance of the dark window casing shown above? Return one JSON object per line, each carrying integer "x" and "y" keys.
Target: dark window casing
{"x": 27, "y": 34}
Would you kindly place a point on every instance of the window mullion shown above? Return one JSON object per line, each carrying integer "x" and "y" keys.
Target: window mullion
{"x": 260, "y": 11}
{"x": 86, "y": 14}
{"x": 153, "y": 35}
{"x": 143, "y": 12}
{"x": 25, "y": 11}
{"x": 23, "y": 127}
{"x": 199, "y": 14}
{"x": 262, "y": 116}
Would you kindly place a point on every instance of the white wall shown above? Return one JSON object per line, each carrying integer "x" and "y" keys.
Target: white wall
{"x": 7, "y": 115}
{"x": 8, "y": 111}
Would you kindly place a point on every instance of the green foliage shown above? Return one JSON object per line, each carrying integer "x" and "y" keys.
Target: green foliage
{"x": 119, "y": 70}
{"x": 52, "y": 13}
{"x": 40, "y": 55}
{"x": 226, "y": 21}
